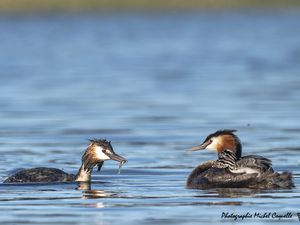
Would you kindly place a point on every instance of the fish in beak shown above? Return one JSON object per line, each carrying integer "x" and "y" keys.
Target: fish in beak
{"x": 117, "y": 157}
{"x": 113, "y": 156}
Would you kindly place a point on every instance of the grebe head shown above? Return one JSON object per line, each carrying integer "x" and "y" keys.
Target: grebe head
{"x": 97, "y": 152}
{"x": 220, "y": 141}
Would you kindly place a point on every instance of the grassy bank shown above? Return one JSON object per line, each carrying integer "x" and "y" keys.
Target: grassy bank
{"x": 79, "y": 5}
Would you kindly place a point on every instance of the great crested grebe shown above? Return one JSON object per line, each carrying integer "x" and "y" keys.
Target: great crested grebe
{"x": 96, "y": 153}
{"x": 231, "y": 170}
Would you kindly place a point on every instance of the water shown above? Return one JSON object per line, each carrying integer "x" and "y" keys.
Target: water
{"x": 154, "y": 84}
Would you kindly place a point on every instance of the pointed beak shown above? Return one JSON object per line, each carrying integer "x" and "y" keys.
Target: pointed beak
{"x": 118, "y": 158}
{"x": 200, "y": 147}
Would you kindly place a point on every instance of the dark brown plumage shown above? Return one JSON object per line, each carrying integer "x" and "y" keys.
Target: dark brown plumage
{"x": 206, "y": 176}
{"x": 40, "y": 174}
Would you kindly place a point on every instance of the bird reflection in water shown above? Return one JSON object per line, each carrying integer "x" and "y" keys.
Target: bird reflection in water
{"x": 88, "y": 193}
{"x": 232, "y": 192}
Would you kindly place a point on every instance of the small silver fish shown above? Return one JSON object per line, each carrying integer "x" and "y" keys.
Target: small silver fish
{"x": 120, "y": 166}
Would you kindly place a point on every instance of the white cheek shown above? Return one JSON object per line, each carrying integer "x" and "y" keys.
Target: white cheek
{"x": 212, "y": 146}
{"x": 100, "y": 154}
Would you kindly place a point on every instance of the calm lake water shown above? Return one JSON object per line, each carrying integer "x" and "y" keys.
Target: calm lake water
{"x": 154, "y": 84}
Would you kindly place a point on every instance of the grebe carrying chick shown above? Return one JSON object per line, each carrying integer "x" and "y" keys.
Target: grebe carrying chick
{"x": 231, "y": 170}
{"x": 96, "y": 153}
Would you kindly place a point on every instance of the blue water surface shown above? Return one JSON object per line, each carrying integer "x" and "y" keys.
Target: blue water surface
{"x": 154, "y": 84}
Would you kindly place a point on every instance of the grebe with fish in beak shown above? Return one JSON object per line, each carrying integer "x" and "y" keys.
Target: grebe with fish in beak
{"x": 98, "y": 151}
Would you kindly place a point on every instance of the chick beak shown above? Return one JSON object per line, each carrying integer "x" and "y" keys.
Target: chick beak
{"x": 118, "y": 158}
{"x": 200, "y": 147}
